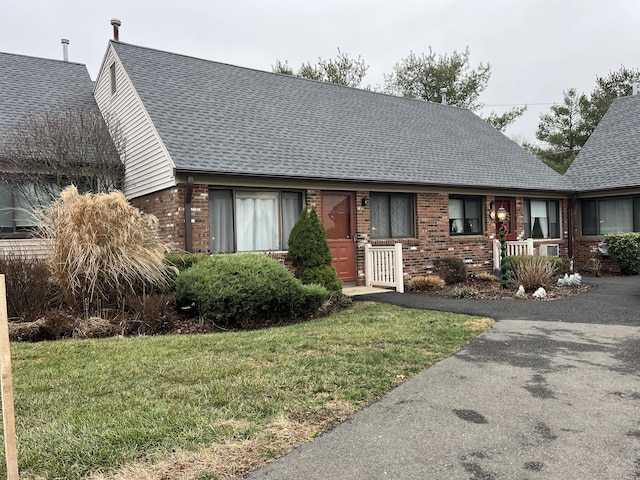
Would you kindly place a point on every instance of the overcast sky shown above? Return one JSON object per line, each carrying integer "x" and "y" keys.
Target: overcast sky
{"x": 536, "y": 48}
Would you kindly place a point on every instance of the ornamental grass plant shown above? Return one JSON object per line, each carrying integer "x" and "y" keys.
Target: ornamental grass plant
{"x": 102, "y": 250}
{"x": 533, "y": 272}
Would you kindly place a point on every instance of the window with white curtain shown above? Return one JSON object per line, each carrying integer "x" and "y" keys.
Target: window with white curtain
{"x": 541, "y": 218}
{"x": 465, "y": 215}
{"x": 247, "y": 221}
{"x": 392, "y": 215}
{"x": 601, "y": 216}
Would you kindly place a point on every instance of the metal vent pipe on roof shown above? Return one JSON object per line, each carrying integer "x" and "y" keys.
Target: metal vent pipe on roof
{"x": 65, "y": 49}
{"x": 443, "y": 91}
{"x": 116, "y": 28}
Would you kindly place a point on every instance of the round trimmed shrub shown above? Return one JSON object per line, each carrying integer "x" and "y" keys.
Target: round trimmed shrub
{"x": 246, "y": 289}
{"x": 451, "y": 270}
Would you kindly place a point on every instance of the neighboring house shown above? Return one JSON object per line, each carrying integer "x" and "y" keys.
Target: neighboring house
{"x": 226, "y": 157}
{"x": 606, "y": 177}
{"x": 30, "y": 86}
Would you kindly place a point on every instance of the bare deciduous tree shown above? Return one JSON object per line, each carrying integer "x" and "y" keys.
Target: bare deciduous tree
{"x": 45, "y": 152}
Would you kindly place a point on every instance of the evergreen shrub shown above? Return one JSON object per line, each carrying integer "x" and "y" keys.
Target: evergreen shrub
{"x": 245, "y": 289}
{"x": 182, "y": 261}
{"x": 623, "y": 248}
{"x": 309, "y": 252}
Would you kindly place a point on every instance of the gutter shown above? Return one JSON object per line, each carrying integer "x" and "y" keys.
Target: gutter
{"x": 188, "y": 231}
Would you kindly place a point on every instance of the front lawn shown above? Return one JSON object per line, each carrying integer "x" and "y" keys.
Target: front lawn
{"x": 213, "y": 406}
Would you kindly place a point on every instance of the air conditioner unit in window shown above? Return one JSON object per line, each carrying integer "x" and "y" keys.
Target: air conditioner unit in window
{"x": 550, "y": 249}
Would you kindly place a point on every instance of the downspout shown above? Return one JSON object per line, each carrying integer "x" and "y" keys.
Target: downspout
{"x": 188, "y": 233}
{"x": 572, "y": 204}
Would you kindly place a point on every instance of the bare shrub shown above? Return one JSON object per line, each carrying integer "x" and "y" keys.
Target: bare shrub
{"x": 28, "y": 285}
{"x": 102, "y": 249}
{"x": 533, "y": 272}
{"x": 424, "y": 283}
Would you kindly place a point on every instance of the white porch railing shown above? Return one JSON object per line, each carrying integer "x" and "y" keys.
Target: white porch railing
{"x": 383, "y": 266}
{"x": 520, "y": 247}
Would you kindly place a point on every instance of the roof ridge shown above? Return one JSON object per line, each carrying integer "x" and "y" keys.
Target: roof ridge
{"x": 31, "y": 57}
{"x": 292, "y": 77}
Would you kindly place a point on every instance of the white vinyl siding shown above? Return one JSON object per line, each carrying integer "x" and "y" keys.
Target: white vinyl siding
{"x": 148, "y": 165}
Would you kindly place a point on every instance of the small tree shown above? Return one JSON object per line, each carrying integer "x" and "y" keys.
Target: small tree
{"x": 342, "y": 71}
{"x": 45, "y": 152}
{"x": 310, "y": 254}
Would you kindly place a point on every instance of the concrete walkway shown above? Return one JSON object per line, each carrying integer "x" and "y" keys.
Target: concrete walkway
{"x": 530, "y": 399}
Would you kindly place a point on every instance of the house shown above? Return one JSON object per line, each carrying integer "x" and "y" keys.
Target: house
{"x": 29, "y": 86}
{"x": 606, "y": 178}
{"x": 226, "y": 157}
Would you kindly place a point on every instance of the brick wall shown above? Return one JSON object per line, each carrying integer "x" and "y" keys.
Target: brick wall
{"x": 586, "y": 258}
{"x": 432, "y": 239}
{"x": 168, "y": 206}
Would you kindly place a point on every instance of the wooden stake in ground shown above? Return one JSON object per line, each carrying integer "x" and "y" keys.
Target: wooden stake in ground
{"x": 7, "y": 388}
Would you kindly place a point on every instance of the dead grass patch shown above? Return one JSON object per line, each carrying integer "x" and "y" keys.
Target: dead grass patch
{"x": 479, "y": 324}
{"x": 235, "y": 460}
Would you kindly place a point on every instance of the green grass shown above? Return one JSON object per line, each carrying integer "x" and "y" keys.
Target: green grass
{"x": 95, "y": 405}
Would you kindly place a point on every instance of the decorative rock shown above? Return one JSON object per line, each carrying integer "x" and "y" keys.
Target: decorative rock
{"x": 520, "y": 292}
{"x": 540, "y": 293}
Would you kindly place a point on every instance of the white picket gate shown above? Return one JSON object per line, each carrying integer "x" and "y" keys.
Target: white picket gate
{"x": 383, "y": 266}
{"x": 520, "y": 247}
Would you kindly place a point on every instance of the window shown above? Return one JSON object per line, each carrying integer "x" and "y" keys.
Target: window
{"x": 392, "y": 215}
{"x": 246, "y": 221}
{"x": 610, "y": 215}
{"x": 112, "y": 73}
{"x": 16, "y": 209}
{"x": 541, "y": 219}
{"x": 464, "y": 215}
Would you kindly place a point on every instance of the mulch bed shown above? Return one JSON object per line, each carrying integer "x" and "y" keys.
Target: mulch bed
{"x": 488, "y": 290}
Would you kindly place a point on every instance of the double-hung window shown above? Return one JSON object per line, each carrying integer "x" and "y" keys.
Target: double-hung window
{"x": 246, "y": 220}
{"x": 465, "y": 215}
{"x": 601, "y": 216}
{"x": 541, "y": 219}
{"x": 392, "y": 215}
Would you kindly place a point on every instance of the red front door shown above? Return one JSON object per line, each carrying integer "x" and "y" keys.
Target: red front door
{"x": 337, "y": 218}
{"x": 509, "y": 205}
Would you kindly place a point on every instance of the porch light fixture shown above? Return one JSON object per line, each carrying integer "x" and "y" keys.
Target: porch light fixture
{"x": 502, "y": 214}
{"x": 365, "y": 201}
{"x": 492, "y": 210}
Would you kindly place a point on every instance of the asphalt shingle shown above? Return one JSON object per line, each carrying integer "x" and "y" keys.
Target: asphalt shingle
{"x": 30, "y": 85}
{"x": 609, "y": 159}
{"x": 224, "y": 119}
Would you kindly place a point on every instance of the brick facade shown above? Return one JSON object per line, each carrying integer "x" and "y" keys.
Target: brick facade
{"x": 432, "y": 238}
{"x": 585, "y": 252}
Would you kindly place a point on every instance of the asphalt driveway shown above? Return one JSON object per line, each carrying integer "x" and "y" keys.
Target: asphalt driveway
{"x": 551, "y": 392}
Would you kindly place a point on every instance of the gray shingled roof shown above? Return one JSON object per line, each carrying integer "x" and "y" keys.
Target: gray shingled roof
{"x": 610, "y": 158}
{"x": 224, "y": 119}
{"x": 32, "y": 85}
